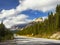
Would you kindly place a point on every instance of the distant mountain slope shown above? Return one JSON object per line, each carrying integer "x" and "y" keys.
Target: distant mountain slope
{"x": 49, "y": 28}
{"x": 20, "y": 26}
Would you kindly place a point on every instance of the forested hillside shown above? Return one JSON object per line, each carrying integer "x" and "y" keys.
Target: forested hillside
{"x": 46, "y": 28}
{"x": 5, "y": 34}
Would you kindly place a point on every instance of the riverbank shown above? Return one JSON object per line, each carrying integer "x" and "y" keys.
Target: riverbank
{"x": 38, "y": 36}
{"x": 37, "y": 39}
{"x": 55, "y": 36}
{"x": 24, "y": 40}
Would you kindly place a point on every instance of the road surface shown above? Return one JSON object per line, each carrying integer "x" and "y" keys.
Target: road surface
{"x": 22, "y": 40}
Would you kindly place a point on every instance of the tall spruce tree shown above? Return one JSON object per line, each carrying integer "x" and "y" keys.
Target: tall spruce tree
{"x": 48, "y": 26}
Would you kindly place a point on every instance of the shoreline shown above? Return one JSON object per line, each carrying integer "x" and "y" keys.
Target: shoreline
{"x": 35, "y": 37}
{"x": 23, "y": 36}
{"x": 39, "y": 39}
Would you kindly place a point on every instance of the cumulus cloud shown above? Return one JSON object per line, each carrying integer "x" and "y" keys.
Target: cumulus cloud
{"x": 20, "y": 19}
{"x": 7, "y": 13}
{"x": 13, "y": 17}
{"x": 41, "y": 5}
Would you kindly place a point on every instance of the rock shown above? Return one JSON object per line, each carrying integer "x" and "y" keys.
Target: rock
{"x": 55, "y": 35}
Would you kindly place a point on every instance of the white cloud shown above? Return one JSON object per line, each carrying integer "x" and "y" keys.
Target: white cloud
{"x": 20, "y": 19}
{"x": 41, "y": 5}
{"x": 45, "y": 17}
{"x": 7, "y": 13}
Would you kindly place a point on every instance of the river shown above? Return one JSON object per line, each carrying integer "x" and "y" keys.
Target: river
{"x": 23, "y": 40}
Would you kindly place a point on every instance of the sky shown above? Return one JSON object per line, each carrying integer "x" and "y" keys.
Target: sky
{"x": 14, "y": 12}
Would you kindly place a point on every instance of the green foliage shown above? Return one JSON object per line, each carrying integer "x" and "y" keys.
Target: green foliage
{"x": 5, "y": 34}
{"x": 45, "y": 28}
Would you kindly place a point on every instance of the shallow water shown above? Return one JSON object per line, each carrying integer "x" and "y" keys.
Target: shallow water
{"x": 29, "y": 41}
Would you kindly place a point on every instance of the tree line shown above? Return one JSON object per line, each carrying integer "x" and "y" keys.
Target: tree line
{"x": 45, "y": 28}
{"x": 5, "y": 34}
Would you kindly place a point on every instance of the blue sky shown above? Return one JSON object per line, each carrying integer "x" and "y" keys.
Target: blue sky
{"x": 24, "y": 11}
{"x": 8, "y": 4}
{"x": 34, "y": 13}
